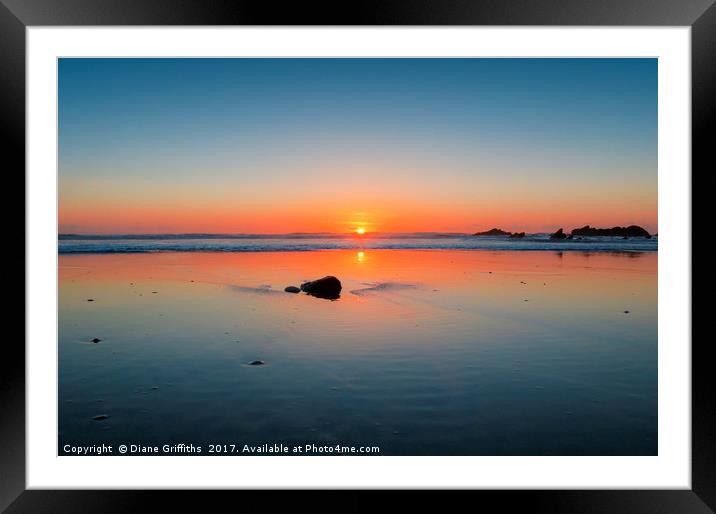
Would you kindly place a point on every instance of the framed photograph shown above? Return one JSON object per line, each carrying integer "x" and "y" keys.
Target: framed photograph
{"x": 435, "y": 246}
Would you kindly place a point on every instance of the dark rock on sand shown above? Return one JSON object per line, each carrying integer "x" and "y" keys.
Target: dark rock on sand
{"x": 90, "y": 299}
{"x": 292, "y": 289}
{"x": 256, "y": 363}
{"x": 327, "y": 287}
{"x": 517, "y": 235}
{"x": 558, "y": 235}
{"x": 630, "y": 231}
{"x": 96, "y": 340}
{"x": 100, "y": 417}
{"x": 493, "y": 232}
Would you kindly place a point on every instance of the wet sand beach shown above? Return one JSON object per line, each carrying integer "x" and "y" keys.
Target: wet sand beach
{"x": 426, "y": 352}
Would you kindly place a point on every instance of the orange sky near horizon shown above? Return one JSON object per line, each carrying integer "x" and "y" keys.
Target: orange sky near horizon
{"x": 374, "y": 196}
{"x": 344, "y": 213}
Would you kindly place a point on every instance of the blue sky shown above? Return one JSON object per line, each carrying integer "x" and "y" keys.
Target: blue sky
{"x": 189, "y": 131}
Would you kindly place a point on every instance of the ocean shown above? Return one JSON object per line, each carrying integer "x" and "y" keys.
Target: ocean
{"x": 74, "y": 243}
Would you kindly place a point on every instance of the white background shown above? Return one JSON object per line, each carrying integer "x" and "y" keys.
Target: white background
{"x": 672, "y": 466}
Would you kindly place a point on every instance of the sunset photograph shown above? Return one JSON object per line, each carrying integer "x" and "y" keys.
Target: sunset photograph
{"x": 357, "y": 256}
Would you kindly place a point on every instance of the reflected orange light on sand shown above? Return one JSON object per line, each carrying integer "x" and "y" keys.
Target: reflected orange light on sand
{"x": 574, "y": 271}
{"x": 462, "y": 288}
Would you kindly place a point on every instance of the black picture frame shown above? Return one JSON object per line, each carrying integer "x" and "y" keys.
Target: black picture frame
{"x": 17, "y": 15}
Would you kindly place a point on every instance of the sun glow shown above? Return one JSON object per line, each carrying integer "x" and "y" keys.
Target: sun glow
{"x": 360, "y": 231}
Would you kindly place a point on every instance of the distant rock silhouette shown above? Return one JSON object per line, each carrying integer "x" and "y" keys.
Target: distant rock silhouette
{"x": 624, "y": 232}
{"x": 517, "y": 235}
{"x": 292, "y": 289}
{"x": 493, "y": 232}
{"x": 558, "y": 235}
{"x": 327, "y": 287}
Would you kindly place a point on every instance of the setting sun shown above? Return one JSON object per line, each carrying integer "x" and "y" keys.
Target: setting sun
{"x": 360, "y": 231}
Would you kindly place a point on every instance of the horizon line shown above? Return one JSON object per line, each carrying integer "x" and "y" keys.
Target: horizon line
{"x": 346, "y": 233}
